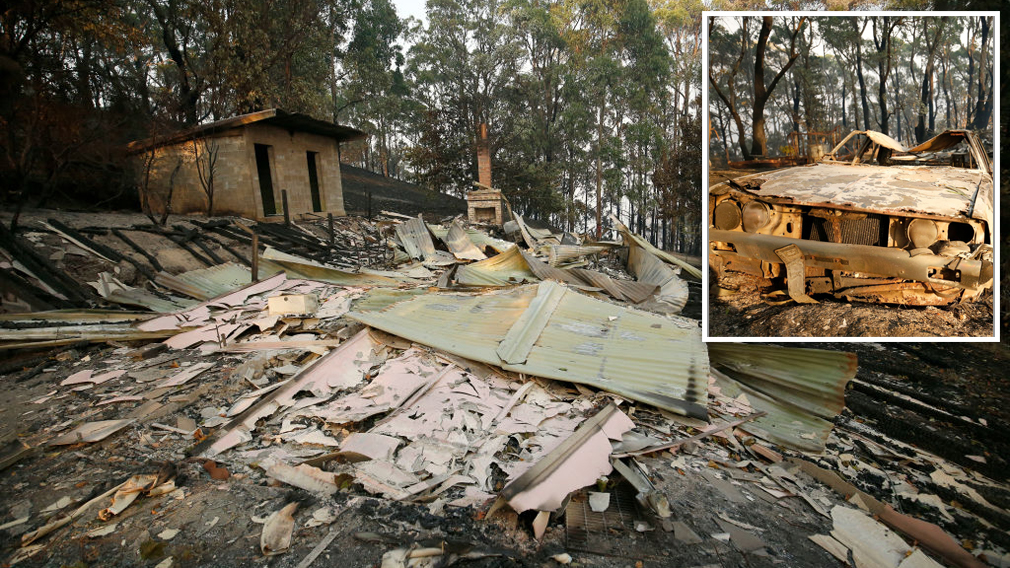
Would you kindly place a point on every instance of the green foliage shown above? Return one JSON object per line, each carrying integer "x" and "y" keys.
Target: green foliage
{"x": 576, "y": 94}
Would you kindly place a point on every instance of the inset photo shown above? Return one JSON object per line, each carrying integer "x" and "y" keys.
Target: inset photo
{"x": 850, "y": 176}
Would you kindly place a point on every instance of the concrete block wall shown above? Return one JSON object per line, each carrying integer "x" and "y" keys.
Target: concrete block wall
{"x": 230, "y": 180}
{"x": 289, "y": 166}
{"x": 237, "y": 190}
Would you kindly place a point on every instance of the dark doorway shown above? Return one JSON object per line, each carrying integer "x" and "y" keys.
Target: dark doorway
{"x": 317, "y": 203}
{"x": 266, "y": 181}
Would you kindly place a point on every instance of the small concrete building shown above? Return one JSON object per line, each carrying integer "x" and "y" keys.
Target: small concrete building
{"x": 256, "y": 156}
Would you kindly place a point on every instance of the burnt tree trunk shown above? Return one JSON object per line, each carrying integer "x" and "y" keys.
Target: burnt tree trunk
{"x": 761, "y": 92}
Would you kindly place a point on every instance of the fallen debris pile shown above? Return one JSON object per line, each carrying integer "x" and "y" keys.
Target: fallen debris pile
{"x": 313, "y": 390}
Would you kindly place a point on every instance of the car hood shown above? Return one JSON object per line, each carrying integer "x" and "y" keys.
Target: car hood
{"x": 933, "y": 190}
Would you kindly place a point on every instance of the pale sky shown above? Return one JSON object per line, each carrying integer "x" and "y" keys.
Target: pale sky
{"x": 413, "y": 8}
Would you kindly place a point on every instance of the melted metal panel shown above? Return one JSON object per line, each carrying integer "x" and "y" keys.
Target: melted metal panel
{"x": 935, "y": 190}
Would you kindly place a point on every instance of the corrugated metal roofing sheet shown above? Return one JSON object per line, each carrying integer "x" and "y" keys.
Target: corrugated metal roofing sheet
{"x": 206, "y": 283}
{"x": 650, "y": 270}
{"x": 479, "y": 238}
{"x": 297, "y": 267}
{"x": 663, "y": 255}
{"x": 516, "y": 266}
{"x": 503, "y": 269}
{"x": 801, "y": 389}
{"x": 626, "y": 290}
{"x": 559, "y": 254}
{"x": 415, "y": 239}
{"x": 460, "y": 245}
{"x": 644, "y": 357}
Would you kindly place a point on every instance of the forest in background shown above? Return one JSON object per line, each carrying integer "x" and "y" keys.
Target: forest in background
{"x": 592, "y": 106}
{"x": 585, "y": 102}
{"x": 780, "y": 84}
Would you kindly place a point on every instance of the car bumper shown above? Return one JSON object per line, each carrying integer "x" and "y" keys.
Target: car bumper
{"x": 869, "y": 260}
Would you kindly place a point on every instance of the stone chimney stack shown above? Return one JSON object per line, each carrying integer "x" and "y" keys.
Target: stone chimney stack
{"x": 483, "y": 157}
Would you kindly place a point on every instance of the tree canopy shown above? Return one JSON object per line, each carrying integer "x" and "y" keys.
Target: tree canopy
{"x": 592, "y": 106}
{"x": 908, "y": 77}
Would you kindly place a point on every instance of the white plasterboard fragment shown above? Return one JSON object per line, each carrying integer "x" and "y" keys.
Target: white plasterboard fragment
{"x": 91, "y": 432}
{"x": 168, "y": 534}
{"x": 277, "y": 529}
{"x": 77, "y": 378}
{"x": 580, "y": 467}
{"x": 858, "y": 501}
{"x": 685, "y": 534}
{"x": 101, "y": 531}
{"x": 370, "y": 446}
{"x": 118, "y": 399}
{"x": 15, "y": 522}
{"x": 60, "y": 504}
{"x": 540, "y": 524}
{"x": 322, "y": 516}
{"x": 99, "y": 379}
{"x": 472, "y": 497}
{"x": 872, "y": 543}
{"x": 303, "y": 476}
{"x": 381, "y": 477}
{"x": 186, "y": 375}
{"x": 832, "y": 546}
{"x": 313, "y": 436}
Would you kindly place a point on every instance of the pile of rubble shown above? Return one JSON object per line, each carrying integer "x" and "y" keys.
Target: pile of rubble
{"x": 447, "y": 370}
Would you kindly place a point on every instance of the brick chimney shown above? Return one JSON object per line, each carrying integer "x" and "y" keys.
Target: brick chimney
{"x": 483, "y": 157}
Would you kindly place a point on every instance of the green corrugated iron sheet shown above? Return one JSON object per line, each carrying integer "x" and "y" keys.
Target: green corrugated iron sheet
{"x": 379, "y": 298}
{"x": 783, "y": 423}
{"x": 801, "y": 389}
{"x": 206, "y": 283}
{"x": 479, "y": 238}
{"x": 505, "y": 269}
{"x": 644, "y": 357}
{"x": 560, "y": 254}
{"x": 648, "y": 269}
{"x": 415, "y": 239}
{"x": 460, "y": 245}
{"x": 516, "y": 266}
{"x": 663, "y": 255}
{"x": 296, "y": 267}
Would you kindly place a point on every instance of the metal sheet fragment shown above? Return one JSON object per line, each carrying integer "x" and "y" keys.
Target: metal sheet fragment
{"x": 460, "y": 245}
{"x": 645, "y": 357}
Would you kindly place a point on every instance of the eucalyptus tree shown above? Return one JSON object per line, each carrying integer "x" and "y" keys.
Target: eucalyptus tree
{"x": 461, "y": 65}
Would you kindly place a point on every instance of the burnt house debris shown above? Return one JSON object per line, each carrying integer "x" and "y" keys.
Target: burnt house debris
{"x": 412, "y": 389}
{"x": 871, "y": 221}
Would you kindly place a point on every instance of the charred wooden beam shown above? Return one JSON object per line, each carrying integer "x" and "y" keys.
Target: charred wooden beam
{"x": 43, "y": 268}
{"x": 150, "y": 257}
{"x": 34, "y": 296}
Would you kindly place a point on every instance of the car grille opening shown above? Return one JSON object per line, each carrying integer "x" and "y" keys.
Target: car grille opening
{"x": 870, "y": 231}
{"x": 863, "y": 231}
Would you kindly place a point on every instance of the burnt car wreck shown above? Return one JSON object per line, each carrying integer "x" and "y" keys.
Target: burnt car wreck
{"x": 871, "y": 221}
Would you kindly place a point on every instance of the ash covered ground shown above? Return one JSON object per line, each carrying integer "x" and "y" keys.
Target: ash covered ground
{"x": 924, "y": 430}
